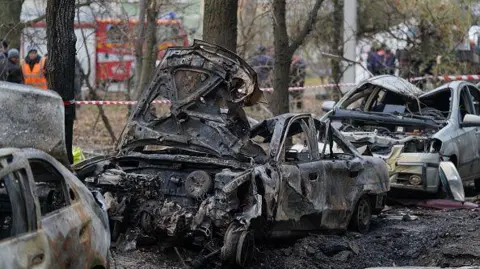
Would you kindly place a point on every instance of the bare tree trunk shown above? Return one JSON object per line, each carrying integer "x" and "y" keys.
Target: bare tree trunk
{"x": 337, "y": 45}
{"x": 142, "y": 6}
{"x": 61, "y": 62}
{"x": 151, "y": 51}
{"x": 10, "y": 26}
{"x": 283, "y": 57}
{"x": 220, "y": 23}
{"x": 284, "y": 51}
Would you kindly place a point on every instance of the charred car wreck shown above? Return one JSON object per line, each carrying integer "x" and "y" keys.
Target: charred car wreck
{"x": 430, "y": 141}
{"x": 201, "y": 172}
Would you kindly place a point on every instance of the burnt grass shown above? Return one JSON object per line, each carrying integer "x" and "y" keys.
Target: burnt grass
{"x": 400, "y": 236}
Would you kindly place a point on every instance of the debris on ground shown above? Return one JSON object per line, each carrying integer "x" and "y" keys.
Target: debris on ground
{"x": 437, "y": 238}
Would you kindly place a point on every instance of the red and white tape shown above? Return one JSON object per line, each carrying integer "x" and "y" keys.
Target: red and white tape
{"x": 166, "y": 102}
{"x": 128, "y": 103}
{"x": 313, "y": 87}
{"x": 449, "y": 77}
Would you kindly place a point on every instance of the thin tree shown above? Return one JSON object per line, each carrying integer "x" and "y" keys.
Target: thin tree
{"x": 284, "y": 50}
{"x": 142, "y": 7}
{"x": 151, "y": 50}
{"x": 61, "y": 39}
{"x": 220, "y": 23}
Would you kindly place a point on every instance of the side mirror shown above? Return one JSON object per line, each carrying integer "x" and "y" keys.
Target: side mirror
{"x": 470, "y": 120}
{"x": 328, "y": 105}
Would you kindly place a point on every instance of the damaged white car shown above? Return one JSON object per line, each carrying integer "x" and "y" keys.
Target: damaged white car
{"x": 430, "y": 141}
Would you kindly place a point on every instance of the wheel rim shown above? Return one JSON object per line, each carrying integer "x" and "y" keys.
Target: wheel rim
{"x": 363, "y": 212}
{"x": 245, "y": 248}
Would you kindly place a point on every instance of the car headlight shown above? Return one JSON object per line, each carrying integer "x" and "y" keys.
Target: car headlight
{"x": 415, "y": 180}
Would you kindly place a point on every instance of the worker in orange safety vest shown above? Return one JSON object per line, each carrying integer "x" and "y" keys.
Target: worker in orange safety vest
{"x": 33, "y": 68}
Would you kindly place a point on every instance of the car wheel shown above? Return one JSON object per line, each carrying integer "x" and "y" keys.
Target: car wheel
{"x": 362, "y": 215}
{"x": 245, "y": 248}
{"x": 238, "y": 246}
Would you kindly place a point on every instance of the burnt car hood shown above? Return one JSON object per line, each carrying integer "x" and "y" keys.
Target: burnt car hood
{"x": 208, "y": 86}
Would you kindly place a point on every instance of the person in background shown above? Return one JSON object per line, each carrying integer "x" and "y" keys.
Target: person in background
{"x": 379, "y": 67}
{"x": 33, "y": 68}
{"x": 14, "y": 71}
{"x": 4, "y": 53}
{"x": 3, "y": 68}
{"x": 263, "y": 65}
{"x": 389, "y": 62}
{"x": 297, "y": 79}
{"x": 371, "y": 60}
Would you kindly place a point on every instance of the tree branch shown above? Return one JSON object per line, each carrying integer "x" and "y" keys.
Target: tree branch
{"x": 41, "y": 18}
{"x": 307, "y": 27}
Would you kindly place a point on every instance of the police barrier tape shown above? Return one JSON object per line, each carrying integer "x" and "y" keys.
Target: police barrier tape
{"x": 448, "y": 77}
{"x": 132, "y": 103}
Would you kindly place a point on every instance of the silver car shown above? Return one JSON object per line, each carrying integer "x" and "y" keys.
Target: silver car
{"x": 428, "y": 140}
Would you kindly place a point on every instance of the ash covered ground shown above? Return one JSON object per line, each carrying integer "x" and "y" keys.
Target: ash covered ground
{"x": 401, "y": 236}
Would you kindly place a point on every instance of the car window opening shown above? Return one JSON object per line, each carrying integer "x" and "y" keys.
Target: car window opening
{"x": 49, "y": 187}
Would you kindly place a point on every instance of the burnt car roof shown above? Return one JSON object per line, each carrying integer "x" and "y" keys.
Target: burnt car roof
{"x": 453, "y": 85}
{"x": 394, "y": 84}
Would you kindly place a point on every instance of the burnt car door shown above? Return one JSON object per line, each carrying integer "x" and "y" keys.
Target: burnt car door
{"x": 300, "y": 179}
{"x": 23, "y": 242}
{"x": 475, "y": 95}
{"x": 313, "y": 192}
{"x": 341, "y": 167}
{"x": 465, "y": 137}
{"x": 66, "y": 221}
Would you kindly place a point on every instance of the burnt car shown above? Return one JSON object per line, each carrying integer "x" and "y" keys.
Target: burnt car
{"x": 429, "y": 140}
{"x": 201, "y": 172}
{"x": 48, "y": 217}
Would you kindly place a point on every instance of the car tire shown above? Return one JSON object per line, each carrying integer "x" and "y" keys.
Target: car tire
{"x": 239, "y": 246}
{"x": 362, "y": 216}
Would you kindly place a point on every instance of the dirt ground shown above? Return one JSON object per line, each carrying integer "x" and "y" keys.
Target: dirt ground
{"x": 443, "y": 238}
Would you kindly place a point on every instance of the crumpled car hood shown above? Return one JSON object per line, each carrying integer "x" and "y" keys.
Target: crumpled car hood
{"x": 208, "y": 86}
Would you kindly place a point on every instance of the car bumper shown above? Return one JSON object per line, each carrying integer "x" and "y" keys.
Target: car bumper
{"x": 408, "y": 166}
